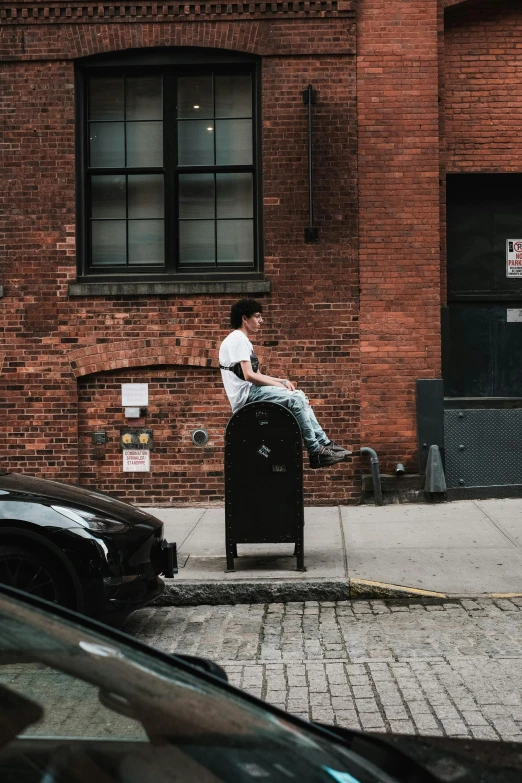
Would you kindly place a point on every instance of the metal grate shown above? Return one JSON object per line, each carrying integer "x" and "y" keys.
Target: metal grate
{"x": 483, "y": 447}
{"x": 483, "y": 493}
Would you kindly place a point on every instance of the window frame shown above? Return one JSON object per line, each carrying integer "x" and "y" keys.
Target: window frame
{"x": 170, "y": 63}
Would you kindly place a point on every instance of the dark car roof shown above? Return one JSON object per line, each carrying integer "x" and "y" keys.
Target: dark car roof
{"x": 82, "y": 497}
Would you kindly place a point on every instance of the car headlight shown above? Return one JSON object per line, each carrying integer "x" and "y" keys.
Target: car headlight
{"x": 95, "y": 522}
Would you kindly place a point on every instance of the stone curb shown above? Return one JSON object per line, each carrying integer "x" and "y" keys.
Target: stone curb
{"x": 178, "y": 593}
{"x": 250, "y": 592}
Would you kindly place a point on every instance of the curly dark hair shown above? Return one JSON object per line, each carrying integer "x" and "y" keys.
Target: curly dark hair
{"x": 244, "y": 307}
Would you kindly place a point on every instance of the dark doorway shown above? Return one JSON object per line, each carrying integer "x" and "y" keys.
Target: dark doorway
{"x": 482, "y": 324}
{"x": 482, "y": 337}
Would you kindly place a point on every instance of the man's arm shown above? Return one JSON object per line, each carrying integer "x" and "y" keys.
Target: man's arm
{"x": 258, "y": 379}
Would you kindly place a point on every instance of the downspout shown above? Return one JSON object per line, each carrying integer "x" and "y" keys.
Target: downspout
{"x": 311, "y": 232}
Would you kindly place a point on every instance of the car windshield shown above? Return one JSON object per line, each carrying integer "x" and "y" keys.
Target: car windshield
{"x": 76, "y": 705}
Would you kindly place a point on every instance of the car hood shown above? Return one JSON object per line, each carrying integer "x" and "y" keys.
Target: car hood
{"x": 54, "y": 492}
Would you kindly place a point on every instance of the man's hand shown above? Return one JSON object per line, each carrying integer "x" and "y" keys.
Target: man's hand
{"x": 289, "y": 385}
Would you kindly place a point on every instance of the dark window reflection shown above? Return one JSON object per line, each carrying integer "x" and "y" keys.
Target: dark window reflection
{"x": 206, "y": 178}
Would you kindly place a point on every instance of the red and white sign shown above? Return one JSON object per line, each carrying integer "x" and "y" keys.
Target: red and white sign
{"x": 136, "y": 461}
{"x": 514, "y": 258}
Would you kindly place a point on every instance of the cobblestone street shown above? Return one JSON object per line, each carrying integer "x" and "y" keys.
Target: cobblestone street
{"x": 450, "y": 669}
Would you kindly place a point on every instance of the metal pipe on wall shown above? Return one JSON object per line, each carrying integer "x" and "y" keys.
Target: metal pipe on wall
{"x": 376, "y": 475}
{"x": 311, "y": 232}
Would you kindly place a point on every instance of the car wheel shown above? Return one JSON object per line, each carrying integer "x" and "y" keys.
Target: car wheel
{"x": 34, "y": 572}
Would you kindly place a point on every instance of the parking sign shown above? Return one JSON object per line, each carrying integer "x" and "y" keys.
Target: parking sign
{"x": 514, "y": 258}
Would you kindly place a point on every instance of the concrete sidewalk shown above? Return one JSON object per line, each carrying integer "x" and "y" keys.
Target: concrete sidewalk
{"x": 462, "y": 548}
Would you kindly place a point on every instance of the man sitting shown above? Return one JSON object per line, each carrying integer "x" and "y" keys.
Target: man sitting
{"x": 244, "y": 383}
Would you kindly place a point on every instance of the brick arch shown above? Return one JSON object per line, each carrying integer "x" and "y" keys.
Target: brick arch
{"x": 144, "y": 352}
{"x": 449, "y": 3}
{"x": 243, "y": 36}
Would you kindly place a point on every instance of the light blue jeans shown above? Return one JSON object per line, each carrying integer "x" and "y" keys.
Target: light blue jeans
{"x": 313, "y": 434}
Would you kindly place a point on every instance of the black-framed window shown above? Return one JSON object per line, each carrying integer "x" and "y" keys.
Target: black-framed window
{"x": 169, "y": 179}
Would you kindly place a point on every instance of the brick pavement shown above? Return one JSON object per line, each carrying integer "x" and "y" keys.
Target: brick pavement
{"x": 453, "y": 668}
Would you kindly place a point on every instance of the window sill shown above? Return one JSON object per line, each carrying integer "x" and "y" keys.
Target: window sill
{"x": 247, "y": 287}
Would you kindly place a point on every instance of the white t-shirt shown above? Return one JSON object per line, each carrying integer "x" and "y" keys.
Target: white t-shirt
{"x": 235, "y": 348}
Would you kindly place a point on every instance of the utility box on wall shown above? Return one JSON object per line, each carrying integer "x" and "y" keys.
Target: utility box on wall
{"x": 430, "y": 418}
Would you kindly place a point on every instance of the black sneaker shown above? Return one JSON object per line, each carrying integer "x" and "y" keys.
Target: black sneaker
{"x": 333, "y": 446}
{"x": 325, "y": 456}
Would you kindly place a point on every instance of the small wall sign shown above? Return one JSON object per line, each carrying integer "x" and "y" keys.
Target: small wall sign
{"x": 136, "y": 461}
{"x": 134, "y": 395}
{"x": 514, "y": 316}
{"x": 514, "y": 258}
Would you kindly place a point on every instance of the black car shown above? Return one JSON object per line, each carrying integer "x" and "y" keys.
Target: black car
{"x": 82, "y": 549}
{"x": 80, "y": 702}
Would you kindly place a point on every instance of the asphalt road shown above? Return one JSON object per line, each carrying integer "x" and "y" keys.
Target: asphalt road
{"x": 449, "y": 669}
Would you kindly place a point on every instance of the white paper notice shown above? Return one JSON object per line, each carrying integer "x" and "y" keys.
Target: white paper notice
{"x": 134, "y": 395}
{"x": 514, "y": 316}
{"x": 136, "y": 461}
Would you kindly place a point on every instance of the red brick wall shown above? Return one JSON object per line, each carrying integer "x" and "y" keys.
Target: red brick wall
{"x": 180, "y": 471}
{"x": 483, "y": 86}
{"x": 398, "y": 172}
{"x": 52, "y": 384}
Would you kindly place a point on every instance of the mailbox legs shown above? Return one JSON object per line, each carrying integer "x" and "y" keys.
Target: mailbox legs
{"x": 231, "y": 551}
{"x": 299, "y": 551}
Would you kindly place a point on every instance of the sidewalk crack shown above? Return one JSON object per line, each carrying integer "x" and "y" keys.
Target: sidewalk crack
{"x": 495, "y": 524}
{"x": 204, "y": 511}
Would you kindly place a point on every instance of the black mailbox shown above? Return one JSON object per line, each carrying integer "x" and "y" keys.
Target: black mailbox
{"x": 263, "y": 479}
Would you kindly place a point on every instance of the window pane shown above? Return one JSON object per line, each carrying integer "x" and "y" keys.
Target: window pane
{"x": 146, "y": 242}
{"x": 235, "y": 242}
{"x": 233, "y": 96}
{"x": 196, "y": 143}
{"x": 196, "y": 196}
{"x": 106, "y": 144}
{"x": 146, "y": 196}
{"x": 108, "y": 197}
{"x": 234, "y": 196}
{"x": 144, "y": 98}
{"x": 195, "y": 97}
{"x": 106, "y": 99}
{"x": 144, "y": 144}
{"x": 108, "y": 242}
{"x": 215, "y": 209}
{"x": 196, "y": 242}
{"x": 233, "y": 142}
